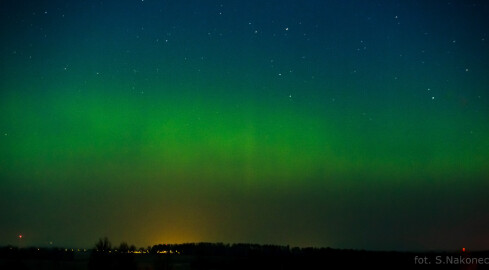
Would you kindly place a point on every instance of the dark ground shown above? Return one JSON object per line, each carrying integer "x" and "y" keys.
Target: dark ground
{"x": 239, "y": 256}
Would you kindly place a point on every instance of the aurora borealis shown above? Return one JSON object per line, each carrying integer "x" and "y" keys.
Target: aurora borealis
{"x": 350, "y": 124}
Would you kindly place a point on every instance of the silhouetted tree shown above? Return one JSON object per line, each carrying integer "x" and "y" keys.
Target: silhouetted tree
{"x": 103, "y": 245}
{"x": 101, "y": 259}
{"x": 123, "y": 247}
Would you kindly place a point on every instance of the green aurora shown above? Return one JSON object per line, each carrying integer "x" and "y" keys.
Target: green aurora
{"x": 158, "y": 130}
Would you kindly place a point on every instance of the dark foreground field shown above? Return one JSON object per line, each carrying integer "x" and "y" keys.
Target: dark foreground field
{"x": 240, "y": 256}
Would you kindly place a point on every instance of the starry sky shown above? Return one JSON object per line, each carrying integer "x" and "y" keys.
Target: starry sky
{"x": 349, "y": 124}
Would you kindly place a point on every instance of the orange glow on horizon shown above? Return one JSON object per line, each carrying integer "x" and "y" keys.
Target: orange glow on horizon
{"x": 178, "y": 234}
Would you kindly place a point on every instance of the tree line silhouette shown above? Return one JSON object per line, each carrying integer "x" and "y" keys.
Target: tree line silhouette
{"x": 104, "y": 255}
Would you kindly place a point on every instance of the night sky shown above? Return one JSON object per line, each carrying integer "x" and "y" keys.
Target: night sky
{"x": 349, "y": 124}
